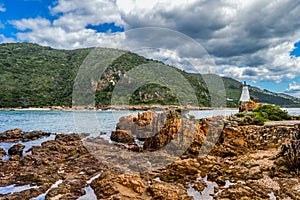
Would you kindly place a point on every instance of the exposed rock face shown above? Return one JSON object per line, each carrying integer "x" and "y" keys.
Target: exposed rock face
{"x": 17, "y": 149}
{"x": 143, "y": 125}
{"x": 122, "y": 136}
{"x": 172, "y": 127}
{"x": 248, "y": 106}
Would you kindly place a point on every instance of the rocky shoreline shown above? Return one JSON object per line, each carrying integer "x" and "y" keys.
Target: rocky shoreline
{"x": 156, "y": 156}
{"x": 137, "y": 107}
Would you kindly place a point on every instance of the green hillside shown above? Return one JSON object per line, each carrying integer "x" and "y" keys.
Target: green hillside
{"x": 35, "y": 76}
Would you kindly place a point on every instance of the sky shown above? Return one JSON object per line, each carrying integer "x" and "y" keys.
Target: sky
{"x": 257, "y": 41}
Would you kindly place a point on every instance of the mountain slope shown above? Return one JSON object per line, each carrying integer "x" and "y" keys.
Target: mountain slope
{"x": 34, "y": 76}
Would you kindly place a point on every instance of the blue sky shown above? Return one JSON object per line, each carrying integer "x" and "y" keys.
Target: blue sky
{"x": 256, "y": 41}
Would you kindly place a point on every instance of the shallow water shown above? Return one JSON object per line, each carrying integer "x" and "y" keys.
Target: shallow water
{"x": 89, "y": 194}
{"x": 13, "y": 189}
{"x": 43, "y": 196}
{"x": 28, "y": 145}
{"x": 209, "y": 190}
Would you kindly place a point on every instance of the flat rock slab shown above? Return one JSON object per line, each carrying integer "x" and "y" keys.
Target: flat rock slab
{"x": 284, "y": 123}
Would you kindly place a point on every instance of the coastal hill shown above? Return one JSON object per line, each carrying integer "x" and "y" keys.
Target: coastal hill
{"x": 35, "y": 76}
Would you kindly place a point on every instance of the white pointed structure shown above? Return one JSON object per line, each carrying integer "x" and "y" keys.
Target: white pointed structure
{"x": 245, "y": 94}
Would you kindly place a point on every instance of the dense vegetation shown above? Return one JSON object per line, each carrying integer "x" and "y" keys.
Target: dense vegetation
{"x": 269, "y": 112}
{"x": 34, "y": 76}
{"x": 265, "y": 112}
{"x": 31, "y": 75}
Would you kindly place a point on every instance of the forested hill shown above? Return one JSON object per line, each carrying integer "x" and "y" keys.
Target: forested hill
{"x": 35, "y": 76}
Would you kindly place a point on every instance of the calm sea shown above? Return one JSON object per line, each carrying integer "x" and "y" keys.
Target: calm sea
{"x": 76, "y": 121}
{"x": 83, "y": 121}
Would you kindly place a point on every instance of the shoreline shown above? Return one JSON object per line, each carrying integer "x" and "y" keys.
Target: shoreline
{"x": 145, "y": 108}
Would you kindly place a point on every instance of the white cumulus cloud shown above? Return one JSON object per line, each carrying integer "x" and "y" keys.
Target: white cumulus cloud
{"x": 246, "y": 39}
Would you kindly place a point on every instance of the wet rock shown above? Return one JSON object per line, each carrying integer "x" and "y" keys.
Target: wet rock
{"x": 64, "y": 159}
{"x": 221, "y": 180}
{"x": 18, "y": 135}
{"x": 199, "y": 185}
{"x": 17, "y": 149}
{"x": 122, "y": 136}
{"x": 2, "y": 152}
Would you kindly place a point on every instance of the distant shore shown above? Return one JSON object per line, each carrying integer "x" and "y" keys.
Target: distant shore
{"x": 152, "y": 107}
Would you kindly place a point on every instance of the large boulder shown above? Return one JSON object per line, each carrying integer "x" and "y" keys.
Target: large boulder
{"x": 122, "y": 136}
{"x": 143, "y": 125}
{"x": 17, "y": 149}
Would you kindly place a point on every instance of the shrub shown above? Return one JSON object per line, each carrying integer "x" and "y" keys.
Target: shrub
{"x": 270, "y": 113}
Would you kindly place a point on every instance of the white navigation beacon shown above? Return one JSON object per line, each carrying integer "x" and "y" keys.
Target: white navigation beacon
{"x": 245, "y": 93}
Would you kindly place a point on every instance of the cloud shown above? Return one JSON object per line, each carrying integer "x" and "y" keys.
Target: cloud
{"x": 2, "y": 8}
{"x": 30, "y": 24}
{"x": 3, "y": 39}
{"x": 77, "y": 14}
{"x": 256, "y": 34}
{"x": 293, "y": 87}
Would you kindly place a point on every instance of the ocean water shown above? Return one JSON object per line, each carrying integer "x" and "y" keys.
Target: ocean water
{"x": 92, "y": 122}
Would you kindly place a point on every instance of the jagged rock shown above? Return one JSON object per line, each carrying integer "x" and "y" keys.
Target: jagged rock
{"x": 144, "y": 125}
{"x": 248, "y": 106}
{"x": 122, "y": 136}
{"x": 166, "y": 134}
{"x": 17, "y": 149}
